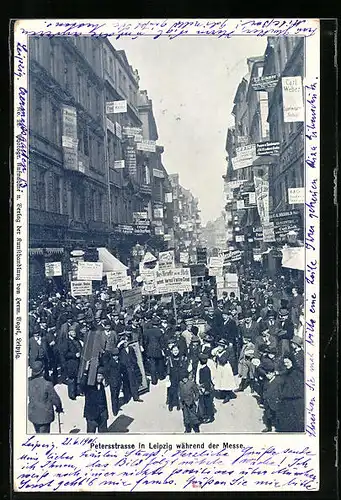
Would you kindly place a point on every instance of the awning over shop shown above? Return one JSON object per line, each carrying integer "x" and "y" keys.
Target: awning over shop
{"x": 293, "y": 258}
{"x": 110, "y": 263}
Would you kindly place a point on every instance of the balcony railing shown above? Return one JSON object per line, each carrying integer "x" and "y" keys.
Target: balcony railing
{"x": 43, "y": 218}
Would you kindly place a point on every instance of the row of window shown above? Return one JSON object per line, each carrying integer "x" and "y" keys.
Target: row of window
{"x": 52, "y": 193}
{"x": 73, "y": 78}
{"x": 120, "y": 79}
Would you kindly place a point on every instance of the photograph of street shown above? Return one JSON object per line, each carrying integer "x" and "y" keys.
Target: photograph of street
{"x": 166, "y": 235}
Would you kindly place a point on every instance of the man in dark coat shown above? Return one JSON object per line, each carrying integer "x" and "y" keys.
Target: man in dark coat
{"x": 285, "y": 331}
{"x": 206, "y": 389}
{"x": 155, "y": 351}
{"x": 264, "y": 342}
{"x": 42, "y": 400}
{"x": 131, "y": 375}
{"x": 95, "y": 407}
{"x": 250, "y": 328}
{"x": 298, "y": 353}
{"x": 38, "y": 350}
{"x": 113, "y": 376}
{"x": 70, "y": 352}
{"x": 270, "y": 397}
{"x": 194, "y": 352}
{"x": 189, "y": 395}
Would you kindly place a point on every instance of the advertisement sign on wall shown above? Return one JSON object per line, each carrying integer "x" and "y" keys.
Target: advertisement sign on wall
{"x": 293, "y": 107}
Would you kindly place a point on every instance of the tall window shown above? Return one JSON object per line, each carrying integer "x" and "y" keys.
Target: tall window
{"x": 67, "y": 74}
{"x": 39, "y": 111}
{"x": 79, "y": 87}
{"x": 56, "y": 125}
{"x": 52, "y": 58}
{"x": 111, "y": 67}
{"x": 86, "y": 144}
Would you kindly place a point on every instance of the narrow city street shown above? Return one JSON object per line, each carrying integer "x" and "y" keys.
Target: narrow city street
{"x": 152, "y": 416}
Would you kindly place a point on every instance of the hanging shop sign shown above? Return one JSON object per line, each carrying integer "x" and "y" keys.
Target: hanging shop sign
{"x": 158, "y": 173}
{"x": 53, "y": 269}
{"x": 239, "y": 238}
{"x": 268, "y": 148}
{"x": 132, "y": 131}
{"x": 159, "y": 230}
{"x": 118, "y": 130}
{"x": 69, "y": 137}
{"x": 110, "y": 126}
{"x": 130, "y": 159}
{"x": 245, "y": 156}
{"x": 81, "y": 288}
{"x": 146, "y": 145}
{"x": 118, "y": 164}
{"x": 240, "y": 204}
{"x": 287, "y": 221}
{"x": 168, "y": 197}
{"x": 262, "y": 197}
{"x": 258, "y": 233}
{"x": 215, "y": 271}
{"x": 140, "y": 217}
{"x": 296, "y": 195}
{"x": 116, "y": 107}
{"x": 216, "y": 261}
{"x": 269, "y": 232}
{"x": 264, "y": 83}
{"x": 292, "y": 91}
{"x": 242, "y": 140}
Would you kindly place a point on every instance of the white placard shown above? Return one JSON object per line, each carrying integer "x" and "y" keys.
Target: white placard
{"x": 111, "y": 126}
{"x": 132, "y": 131}
{"x": 166, "y": 259}
{"x": 158, "y": 173}
{"x": 296, "y": 195}
{"x": 53, "y": 269}
{"x": 184, "y": 257}
{"x": 293, "y": 108}
{"x": 116, "y": 107}
{"x": 168, "y": 197}
{"x": 240, "y": 204}
{"x": 269, "y": 232}
{"x": 158, "y": 213}
{"x": 216, "y": 261}
{"x": 81, "y": 288}
{"x": 252, "y": 198}
{"x": 119, "y": 164}
{"x": 118, "y": 130}
{"x": 114, "y": 277}
{"x": 239, "y": 238}
{"x": 146, "y": 146}
{"x": 215, "y": 271}
{"x": 90, "y": 271}
{"x": 69, "y": 142}
{"x": 245, "y": 156}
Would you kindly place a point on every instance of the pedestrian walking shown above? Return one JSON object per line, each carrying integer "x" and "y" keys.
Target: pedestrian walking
{"x": 189, "y": 395}
{"x": 95, "y": 405}
{"x": 43, "y": 399}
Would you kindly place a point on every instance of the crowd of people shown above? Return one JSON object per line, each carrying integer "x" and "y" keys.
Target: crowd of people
{"x": 204, "y": 348}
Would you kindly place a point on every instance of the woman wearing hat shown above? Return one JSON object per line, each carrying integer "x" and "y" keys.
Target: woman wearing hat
{"x": 42, "y": 400}
{"x": 290, "y": 414}
{"x": 222, "y": 373}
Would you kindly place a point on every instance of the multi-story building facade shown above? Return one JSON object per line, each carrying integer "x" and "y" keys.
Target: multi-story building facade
{"x": 68, "y": 189}
{"x": 285, "y": 57}
{"x": 96, "y": 173}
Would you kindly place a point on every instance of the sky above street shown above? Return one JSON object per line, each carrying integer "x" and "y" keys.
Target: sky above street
{"x": 192, "y": 82}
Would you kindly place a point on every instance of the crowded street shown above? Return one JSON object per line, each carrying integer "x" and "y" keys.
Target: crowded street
{"x": 166, "y": 255}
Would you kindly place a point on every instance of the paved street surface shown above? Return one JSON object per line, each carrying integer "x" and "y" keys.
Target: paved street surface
{"x": 238, "y": 416}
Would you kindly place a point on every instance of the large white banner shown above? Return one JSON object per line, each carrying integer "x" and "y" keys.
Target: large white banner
{"x": 293, "y": 108}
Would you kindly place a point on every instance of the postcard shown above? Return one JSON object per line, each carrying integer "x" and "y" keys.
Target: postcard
{"x": 166, "y": 204}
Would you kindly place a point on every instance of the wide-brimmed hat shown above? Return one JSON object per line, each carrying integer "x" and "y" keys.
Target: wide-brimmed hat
{"x": 203, "y": 357}
{"x": 297, "y": 340}
{"x": 37, "y": 369}
{"x": 222, "y": 342}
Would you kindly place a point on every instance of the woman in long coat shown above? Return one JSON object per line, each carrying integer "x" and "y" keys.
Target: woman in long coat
{"x": 290, "y": 414}
{"x": 221, "y": 370}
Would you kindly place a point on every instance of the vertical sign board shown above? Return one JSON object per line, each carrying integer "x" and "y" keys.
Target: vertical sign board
{"x": 293, "y": 107}
{"x": 69, "y": 138}
{"x": 269, "y": 232}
